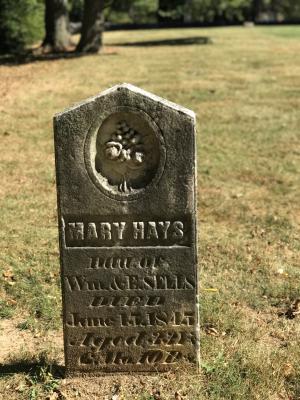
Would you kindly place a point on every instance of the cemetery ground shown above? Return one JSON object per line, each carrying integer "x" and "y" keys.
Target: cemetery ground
{"x": 243, "y": 84}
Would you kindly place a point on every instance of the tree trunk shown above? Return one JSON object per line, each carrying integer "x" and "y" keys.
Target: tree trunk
{"x": 161, "y": 11}
{"x": 92, "y": 27}
{"x": 57, "y": 37}
{"x": 256, "y": 8}
{"x": 188, "y": 11}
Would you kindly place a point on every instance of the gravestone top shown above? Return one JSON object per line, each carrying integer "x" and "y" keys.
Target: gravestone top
{"x": 125, "y": 162}
{"x": 133, "y": 89}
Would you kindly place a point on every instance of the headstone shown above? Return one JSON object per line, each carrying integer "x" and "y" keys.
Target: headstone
{"x": 125, "y": 162}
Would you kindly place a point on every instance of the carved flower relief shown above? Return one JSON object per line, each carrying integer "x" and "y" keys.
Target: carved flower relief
{"x": 127, "y": 153}
{"x": 125, "y": 146}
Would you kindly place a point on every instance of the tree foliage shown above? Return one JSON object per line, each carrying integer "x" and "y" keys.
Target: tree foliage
{"x": 134, "y": 11}
{"x": 21, "y": 23}
{"x": 76, "y": 10}
{"x": 207, "y": 11}
{"x": 286, "y": 9}
{"x": 220, "y": 10}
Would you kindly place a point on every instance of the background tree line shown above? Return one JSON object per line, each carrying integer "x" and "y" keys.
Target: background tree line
{"x": 22, "y": 22}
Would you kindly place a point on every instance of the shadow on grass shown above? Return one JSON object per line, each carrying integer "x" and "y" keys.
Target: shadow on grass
{"x": 27, "y": 58}
{"x": 199, "y": 40}
{"x": 30, "y": 57}
{"x": 31, "y": 368}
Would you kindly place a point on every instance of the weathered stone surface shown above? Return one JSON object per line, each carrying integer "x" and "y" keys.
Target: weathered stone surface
{"x": 125, "y": 162}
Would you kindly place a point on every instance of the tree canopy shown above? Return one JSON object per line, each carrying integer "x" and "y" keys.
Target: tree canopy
{"x": 23, "y": 22}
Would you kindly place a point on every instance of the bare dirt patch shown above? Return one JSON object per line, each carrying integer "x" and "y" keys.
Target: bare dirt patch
{"x": 15, "y": 341}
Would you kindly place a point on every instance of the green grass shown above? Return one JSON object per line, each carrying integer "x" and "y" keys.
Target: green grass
{"x": 288, "y": 32}
{"x": 244, "y": 88}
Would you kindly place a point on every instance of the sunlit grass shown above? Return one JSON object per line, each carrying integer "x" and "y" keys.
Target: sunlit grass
{"x": 244, "y": 88}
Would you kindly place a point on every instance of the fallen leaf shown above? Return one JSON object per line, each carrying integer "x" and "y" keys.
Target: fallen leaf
{"x": 236, "y": 195}
{"x": 115, "y": 392}
{"x": 53, "y": 396}
{"x": 8, "y": 274}
{"x": 156, "y": 394}
{"x": 20, "y": 388}
{"x": 210, "y": 330}
{"x": 293, "y": 310}
{"x": 12, "y": 302}
{"x": 288, "y": 370}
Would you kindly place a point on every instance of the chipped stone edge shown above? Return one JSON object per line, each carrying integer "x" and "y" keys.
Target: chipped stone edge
{"x": 131, "y": 88}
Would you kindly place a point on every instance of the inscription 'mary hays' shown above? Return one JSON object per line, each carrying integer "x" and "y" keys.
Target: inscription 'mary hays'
{"x": 125, "y": 162}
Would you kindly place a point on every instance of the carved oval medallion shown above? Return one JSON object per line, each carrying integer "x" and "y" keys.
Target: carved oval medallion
{"x": 125, "y": 155}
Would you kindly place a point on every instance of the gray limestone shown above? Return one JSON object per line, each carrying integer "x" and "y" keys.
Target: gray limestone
{"x": 125, "y": 162}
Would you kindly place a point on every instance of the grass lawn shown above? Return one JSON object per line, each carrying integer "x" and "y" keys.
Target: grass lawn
{"x": 244, "y": 86}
